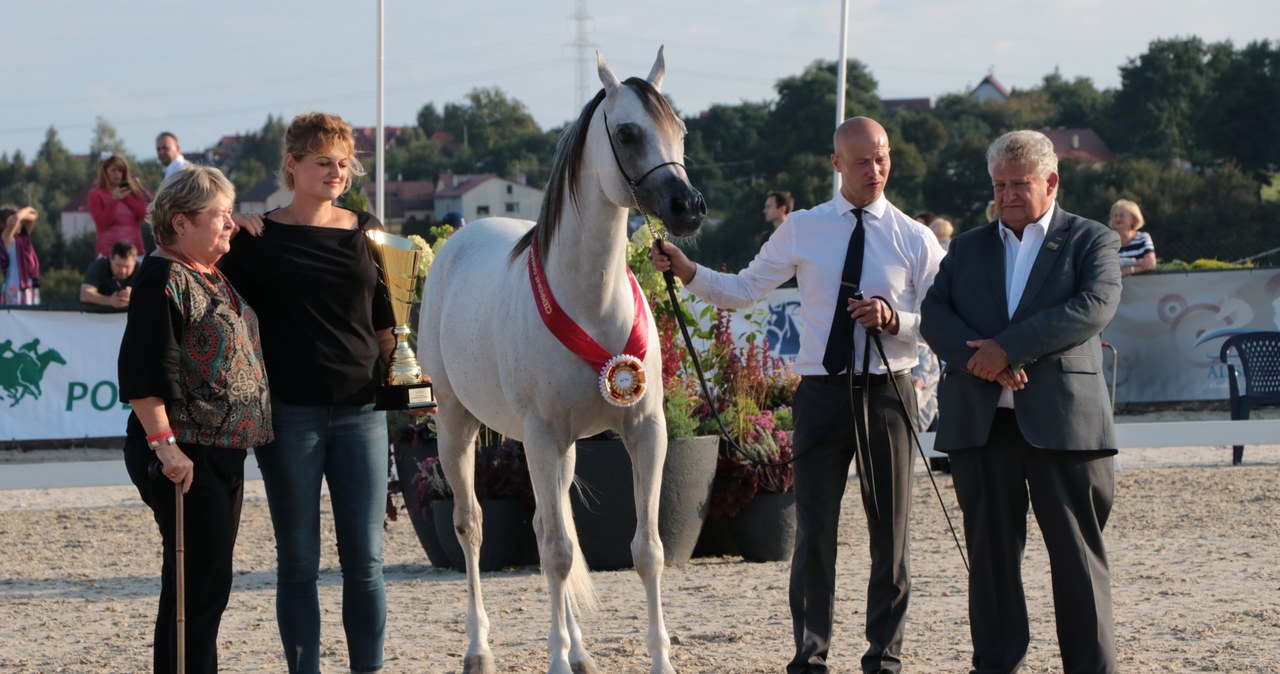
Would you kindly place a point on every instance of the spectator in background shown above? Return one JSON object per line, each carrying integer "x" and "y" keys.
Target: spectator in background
{"x": 169, "y": 154}
{"x": 777, "y": 206}
{"x": 992, "y": 212}
{"x": 1137, "y": 250}
{"x": 942, "y": 228}
{"x": 454, "y": 219}
{"x": 927, "y": 373}
{"x": 18, "y": 261}
{"x": 108, "y": 283}
{"x": 118, "y": 205}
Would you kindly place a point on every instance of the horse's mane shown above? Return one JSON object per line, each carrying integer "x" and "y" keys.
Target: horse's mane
{"x": 568, "y": 160}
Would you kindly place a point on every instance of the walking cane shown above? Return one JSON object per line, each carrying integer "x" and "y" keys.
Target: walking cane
{"x": 156, "y": 470}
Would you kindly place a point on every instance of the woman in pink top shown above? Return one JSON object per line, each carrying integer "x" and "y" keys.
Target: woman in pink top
{"x": 118, "y": 205}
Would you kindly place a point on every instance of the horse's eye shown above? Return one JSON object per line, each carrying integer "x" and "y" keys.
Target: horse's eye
{"x": 627, "y": 135}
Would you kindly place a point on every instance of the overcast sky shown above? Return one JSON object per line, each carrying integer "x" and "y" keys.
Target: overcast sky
{"x": 207, "y": 69}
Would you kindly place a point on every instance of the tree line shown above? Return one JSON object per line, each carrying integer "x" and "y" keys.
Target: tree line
{"x": 1195, "y": 126}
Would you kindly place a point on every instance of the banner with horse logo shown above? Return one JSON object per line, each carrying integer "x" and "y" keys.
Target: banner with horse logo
{"x": 58, "y": 375}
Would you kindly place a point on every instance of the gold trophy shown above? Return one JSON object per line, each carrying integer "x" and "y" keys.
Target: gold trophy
{"x": 399, "y": 261}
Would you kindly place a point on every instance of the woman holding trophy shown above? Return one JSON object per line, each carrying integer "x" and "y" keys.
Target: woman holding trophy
{"x": 312, "y": 274}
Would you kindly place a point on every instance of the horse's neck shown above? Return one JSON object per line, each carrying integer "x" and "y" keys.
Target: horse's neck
{"x": 587, "y": 262}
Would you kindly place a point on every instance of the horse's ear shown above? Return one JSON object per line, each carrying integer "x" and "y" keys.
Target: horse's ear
{"x": 658, "y": 71}
{"x": 607, "y": 78}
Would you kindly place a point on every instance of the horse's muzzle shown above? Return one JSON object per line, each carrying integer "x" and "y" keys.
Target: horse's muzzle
{"x": 682, "y": 208}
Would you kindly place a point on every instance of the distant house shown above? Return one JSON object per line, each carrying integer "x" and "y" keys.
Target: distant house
{"x": 75, "y": 217}
{"x": 1083, "y": 145}
{"x": 366, "y": 138}
{"x": 912, "y": 104}
{"x": 990, "y": 89}
{"x": 485, "y": 194}
{"x": 406, "y": 199}
{"x": 267, "y": 195}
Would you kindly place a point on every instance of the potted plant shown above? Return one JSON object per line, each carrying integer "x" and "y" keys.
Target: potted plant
{"x": 413, "y": 440}
{"x": 505, "y": 492}
{"x": 753, "y": 504}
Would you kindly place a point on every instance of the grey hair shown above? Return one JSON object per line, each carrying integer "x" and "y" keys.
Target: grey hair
{"x": 1025, "y": 145}
{"x": 188, "y": 191}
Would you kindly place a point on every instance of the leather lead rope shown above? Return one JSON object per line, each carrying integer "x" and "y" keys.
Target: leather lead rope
{"x": 862, "y": 426}
{"x": 915, "y": 437}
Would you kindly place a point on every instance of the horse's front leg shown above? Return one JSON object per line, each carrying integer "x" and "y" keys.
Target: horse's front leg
{"x": 457, "y": 433}
{"x": 647, "y": 444}
{"x": 551, "y": 469}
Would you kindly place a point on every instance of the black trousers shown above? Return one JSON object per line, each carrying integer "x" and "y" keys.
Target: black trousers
{"x": 212, "y": 519}
{"x": 825, "y": 437}
{"x": 1071, "y": 493}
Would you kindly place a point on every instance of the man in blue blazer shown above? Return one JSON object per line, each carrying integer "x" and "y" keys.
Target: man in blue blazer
{"x": 1016, "y": 312}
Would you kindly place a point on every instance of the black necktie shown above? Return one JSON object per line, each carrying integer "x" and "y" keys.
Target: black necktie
{"x": 839, "y": 341}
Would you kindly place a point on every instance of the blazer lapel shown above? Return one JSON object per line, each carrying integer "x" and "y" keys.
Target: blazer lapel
{"x": 1055, "y": 240}
{"x": 995, "y": 270}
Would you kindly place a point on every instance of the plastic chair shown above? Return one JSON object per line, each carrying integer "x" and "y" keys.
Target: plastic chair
{"x": 1259, "y": 354}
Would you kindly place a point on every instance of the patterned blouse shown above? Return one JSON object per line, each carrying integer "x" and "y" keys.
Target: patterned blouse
{"x": 192, "y": 341}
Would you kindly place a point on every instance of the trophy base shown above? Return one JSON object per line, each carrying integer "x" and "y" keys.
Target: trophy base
{"x": 405, "y": 397}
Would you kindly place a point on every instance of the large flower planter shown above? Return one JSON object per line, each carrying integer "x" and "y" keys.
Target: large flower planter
{"x": 604, "y": 506}
{"x": 765, "y": 529}
{"x": 408, "y": 455}
{"x": 505, "y": 523}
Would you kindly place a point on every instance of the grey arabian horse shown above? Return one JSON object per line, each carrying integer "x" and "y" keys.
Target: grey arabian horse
{"x": 492, "y": 359}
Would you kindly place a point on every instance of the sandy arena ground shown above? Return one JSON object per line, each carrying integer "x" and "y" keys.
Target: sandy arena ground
{"x": 1193, "y": 543}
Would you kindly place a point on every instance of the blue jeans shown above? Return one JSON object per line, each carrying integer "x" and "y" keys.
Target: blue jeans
{"x": 347, "y": 447}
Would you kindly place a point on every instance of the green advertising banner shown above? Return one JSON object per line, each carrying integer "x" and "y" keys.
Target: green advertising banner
{"x": 58, "y": 375}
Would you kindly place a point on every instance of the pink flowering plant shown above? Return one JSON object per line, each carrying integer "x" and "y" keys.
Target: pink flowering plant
{"x": 752, "y": 391}
{"x": 765, "y": 470}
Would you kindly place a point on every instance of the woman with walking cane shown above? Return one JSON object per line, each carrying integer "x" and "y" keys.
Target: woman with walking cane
{"x": 191, "y": 367}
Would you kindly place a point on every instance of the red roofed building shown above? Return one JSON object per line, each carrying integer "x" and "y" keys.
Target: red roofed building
{"x": 990, "y": 89}
{"x": 1083, "y": 145}
{"x": 366, "y": 137}
{"x": 405, "y": 199}
{"x": 483, "y": 195}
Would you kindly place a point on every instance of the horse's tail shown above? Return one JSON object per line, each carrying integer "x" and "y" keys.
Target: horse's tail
{"x": 582, "y": 592}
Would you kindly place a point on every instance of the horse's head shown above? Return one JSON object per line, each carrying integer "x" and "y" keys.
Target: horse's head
{"x": 646, "y": 140}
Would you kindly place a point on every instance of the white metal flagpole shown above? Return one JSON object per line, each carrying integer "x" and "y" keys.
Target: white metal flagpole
{"x": 841, "y": 75}
{"x": 380, "y": 172}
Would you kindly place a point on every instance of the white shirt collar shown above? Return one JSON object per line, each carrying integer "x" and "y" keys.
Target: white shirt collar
{"x": 1042, "y": 223}
{"x": 876, "y": 208}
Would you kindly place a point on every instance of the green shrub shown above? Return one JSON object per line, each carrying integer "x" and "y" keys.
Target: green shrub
{"x": 1201, "y": 264}
{"x": 60, "y": 286}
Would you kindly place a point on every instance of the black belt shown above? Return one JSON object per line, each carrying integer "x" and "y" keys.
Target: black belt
{"x": 843, "y": 378}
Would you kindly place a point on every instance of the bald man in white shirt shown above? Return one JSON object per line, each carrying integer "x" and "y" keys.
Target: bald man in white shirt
{"x": 899, "y": 258}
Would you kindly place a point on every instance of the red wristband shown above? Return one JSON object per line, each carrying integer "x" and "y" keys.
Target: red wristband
{"x": 159, "y": 436}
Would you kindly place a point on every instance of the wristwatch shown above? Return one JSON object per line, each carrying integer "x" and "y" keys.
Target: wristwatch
{"x": 167, "y": 441}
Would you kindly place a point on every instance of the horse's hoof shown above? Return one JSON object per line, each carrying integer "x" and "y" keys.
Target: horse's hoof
{"x": 478, "y": 664}
{"x": 586, "y": 665}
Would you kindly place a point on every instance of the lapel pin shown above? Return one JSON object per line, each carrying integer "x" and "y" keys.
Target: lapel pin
{"x": 1052, "y": 245}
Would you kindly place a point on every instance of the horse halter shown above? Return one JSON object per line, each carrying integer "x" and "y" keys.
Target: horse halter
{"x": 632, "y": 184}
